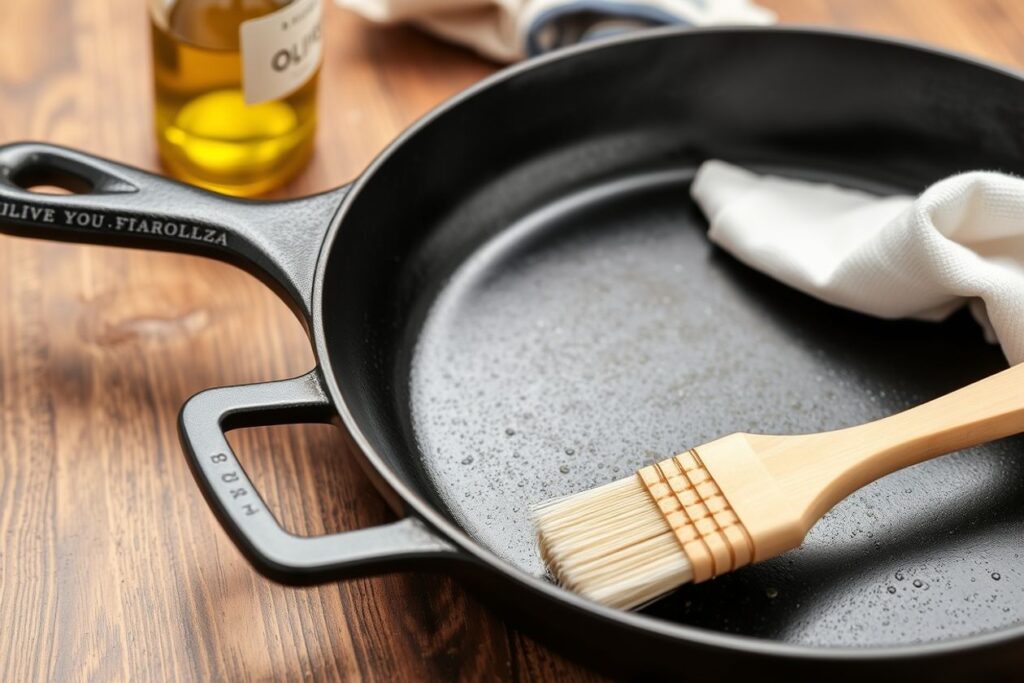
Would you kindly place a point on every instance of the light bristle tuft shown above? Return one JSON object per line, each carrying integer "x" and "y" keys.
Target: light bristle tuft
{"x": 611, "y": 544}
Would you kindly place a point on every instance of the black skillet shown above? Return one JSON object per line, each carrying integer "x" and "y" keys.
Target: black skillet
{"x": 517, "y": 300}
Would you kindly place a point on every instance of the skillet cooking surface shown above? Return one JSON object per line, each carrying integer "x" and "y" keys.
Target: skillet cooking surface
{"x": 604, "y": 332}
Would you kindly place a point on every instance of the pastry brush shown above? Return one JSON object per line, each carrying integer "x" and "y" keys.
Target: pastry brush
{"x": 745, "y": 498}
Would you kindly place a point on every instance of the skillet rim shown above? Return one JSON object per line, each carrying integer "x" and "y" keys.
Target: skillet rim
{"x": 468, "y": 549}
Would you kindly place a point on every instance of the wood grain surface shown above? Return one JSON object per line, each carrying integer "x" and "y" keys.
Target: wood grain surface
{"x": 111, "y": 565}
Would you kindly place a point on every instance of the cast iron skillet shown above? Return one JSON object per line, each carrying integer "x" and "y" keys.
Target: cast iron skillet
{"x": 516, "y": 300}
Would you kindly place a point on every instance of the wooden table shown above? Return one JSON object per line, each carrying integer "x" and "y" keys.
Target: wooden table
{"x": 111, "y": 565}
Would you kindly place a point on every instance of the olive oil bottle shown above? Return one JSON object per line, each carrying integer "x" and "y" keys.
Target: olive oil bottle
{"x": 236, "y": 88}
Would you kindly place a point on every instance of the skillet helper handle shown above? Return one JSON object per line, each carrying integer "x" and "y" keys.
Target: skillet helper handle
{"x": 276, "y": 553}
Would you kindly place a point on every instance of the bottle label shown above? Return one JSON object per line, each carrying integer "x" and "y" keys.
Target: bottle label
{"x": 280, "y": 51}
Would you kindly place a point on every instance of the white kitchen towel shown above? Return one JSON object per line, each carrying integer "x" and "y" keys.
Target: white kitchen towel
{"x": 509, "y": 30}
{"x": 960, "y": 242}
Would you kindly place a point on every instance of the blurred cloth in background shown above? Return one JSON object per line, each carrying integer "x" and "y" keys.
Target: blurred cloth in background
{"x": 509, "y": 30}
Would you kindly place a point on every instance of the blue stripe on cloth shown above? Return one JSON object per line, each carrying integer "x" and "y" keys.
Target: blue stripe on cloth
{"x": 600, "y": 10}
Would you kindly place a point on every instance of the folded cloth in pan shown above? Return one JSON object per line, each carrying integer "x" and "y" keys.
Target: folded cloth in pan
{"x": 960, "y": 242}
{"x": 509, "y": 30}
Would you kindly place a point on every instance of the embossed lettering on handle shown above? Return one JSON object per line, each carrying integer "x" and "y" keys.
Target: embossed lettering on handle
{"x": 275, "y": 552}
{"x": 31, "y": 213}
{"x": 110, "y": 203}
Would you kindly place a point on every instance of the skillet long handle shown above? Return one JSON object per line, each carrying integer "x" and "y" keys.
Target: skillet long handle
{"x": 111, "y": 203}
{"x": 276, "y": 553}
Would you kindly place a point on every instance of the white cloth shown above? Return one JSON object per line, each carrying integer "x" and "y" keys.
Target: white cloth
{"x": 509, "y": 30}
{"x": 960, "y": 242}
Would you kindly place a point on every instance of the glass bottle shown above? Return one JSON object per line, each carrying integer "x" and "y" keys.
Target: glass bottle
{"x": 236, "y": 88}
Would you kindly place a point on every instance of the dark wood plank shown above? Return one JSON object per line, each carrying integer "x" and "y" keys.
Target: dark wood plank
{"x": 111, "y": 566}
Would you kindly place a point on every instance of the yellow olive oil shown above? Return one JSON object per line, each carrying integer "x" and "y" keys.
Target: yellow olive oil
{"x": 218, "y": 122}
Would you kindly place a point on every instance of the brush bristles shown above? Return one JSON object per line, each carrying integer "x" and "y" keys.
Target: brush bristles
{"x": 611, "y": 544}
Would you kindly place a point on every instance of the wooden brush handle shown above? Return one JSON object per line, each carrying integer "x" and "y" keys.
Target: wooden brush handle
{"x": 778, "y": 487}
{"x": 840, "y": 462}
